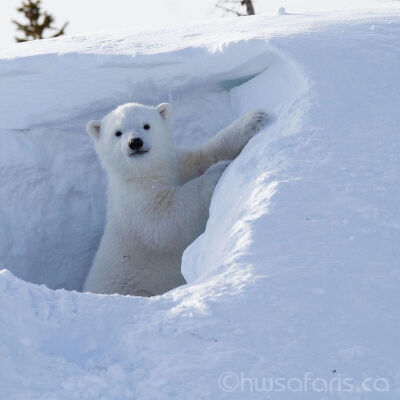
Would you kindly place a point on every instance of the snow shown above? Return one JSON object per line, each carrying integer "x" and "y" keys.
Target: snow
{"x": 297, "y": 273}
{"x": 281, "y": 11}
{"x": 152, "y": 14}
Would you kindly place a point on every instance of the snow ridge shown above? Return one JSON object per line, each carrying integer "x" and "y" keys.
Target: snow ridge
{"x": 296, "y": 274}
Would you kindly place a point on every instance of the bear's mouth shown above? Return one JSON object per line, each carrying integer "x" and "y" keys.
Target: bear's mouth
{"x": 137, "y": 152}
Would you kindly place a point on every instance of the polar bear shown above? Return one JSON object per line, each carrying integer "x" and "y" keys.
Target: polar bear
{"x": 158, "y": 195}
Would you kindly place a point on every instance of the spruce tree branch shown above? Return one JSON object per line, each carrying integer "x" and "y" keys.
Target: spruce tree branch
{"x": 60, "y": 31}
{"x": 37, "y": 22}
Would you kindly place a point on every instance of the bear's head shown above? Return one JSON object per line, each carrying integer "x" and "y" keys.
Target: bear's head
{"x": 134, "y": 140}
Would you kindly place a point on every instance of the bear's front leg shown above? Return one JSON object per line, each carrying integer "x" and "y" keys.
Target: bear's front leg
{"x": 174, "y": 227}
{"x": 225, "y": 145}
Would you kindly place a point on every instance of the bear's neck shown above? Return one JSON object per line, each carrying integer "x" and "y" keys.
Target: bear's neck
{"x": 160, "y": 176}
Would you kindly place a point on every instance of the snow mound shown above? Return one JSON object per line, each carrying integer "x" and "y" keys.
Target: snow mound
{"x": 296, "y": 276}
{"x": 281, "y": 11}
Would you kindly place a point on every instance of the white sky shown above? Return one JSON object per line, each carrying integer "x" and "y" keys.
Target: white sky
{"x": 121, "y": 15}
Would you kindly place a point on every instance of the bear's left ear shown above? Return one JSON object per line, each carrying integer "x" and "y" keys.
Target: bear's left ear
{"x": 93, "y": 129}
{"x": 165, "y": 110}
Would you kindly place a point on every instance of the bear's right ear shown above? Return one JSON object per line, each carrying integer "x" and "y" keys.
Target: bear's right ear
{"x": 165, "y": 110}
{"x": 93, "y": 129}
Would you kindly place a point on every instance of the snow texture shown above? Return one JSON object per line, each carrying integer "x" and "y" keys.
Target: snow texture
{"x": 298, "y": 270}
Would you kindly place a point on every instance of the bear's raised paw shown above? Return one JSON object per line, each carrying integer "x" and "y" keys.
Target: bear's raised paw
{"x": 254, "y": 121}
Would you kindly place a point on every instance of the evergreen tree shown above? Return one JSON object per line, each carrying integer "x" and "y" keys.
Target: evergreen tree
{"x": 38, "y": 22}
{"x": 231, "y": 6}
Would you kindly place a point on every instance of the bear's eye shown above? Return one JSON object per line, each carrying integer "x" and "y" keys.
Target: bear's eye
{"x": 118, "y": 133}
{"x": 146, "y": 127}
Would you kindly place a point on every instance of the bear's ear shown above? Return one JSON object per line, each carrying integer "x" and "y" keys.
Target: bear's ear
{"x": 93, "y": 129}
{"x": 165, "y": 110}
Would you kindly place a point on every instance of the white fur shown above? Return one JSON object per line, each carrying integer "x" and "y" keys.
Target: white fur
{"x": 157, "y": 201}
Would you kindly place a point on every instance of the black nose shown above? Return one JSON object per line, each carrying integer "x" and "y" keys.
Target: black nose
{"x": 135, "y": 144}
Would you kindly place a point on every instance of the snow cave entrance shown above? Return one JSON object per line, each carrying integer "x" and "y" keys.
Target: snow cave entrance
{"x": 65, "y": 180}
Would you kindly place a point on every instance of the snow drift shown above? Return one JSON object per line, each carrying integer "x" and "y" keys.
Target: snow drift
{"x": 297, "y": 272}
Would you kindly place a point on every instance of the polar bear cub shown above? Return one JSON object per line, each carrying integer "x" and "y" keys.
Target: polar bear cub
{"x": 158, "y": 195}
